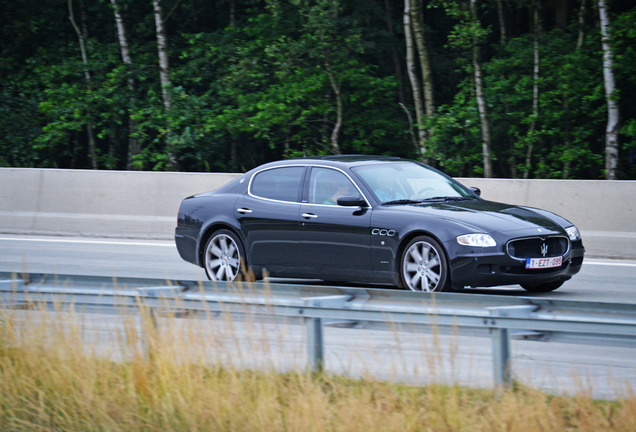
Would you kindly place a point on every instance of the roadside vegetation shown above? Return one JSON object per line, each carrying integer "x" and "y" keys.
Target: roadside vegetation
{"x": 493, "y": 88}
{"x": 53, "y": 376}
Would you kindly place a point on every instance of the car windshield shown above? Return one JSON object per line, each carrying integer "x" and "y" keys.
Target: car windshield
{"x": 408, "y": 182}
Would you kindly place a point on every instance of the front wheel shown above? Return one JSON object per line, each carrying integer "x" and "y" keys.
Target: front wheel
{"x": 223, "y": 256}
{"x": 546, "y": 287}
{"x": 424, "y": 266}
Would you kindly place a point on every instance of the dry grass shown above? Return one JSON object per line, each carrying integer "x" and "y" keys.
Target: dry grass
{"x": 49, "y": 380}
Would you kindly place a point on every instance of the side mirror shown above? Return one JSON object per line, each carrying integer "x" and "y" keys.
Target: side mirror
{"x": 350, "y": 201}
{"x": 476, "y": 191}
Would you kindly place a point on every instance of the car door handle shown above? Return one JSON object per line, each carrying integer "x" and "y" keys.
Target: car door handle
{"x": 244, "y": 211}
{"x": 309, "y": 216}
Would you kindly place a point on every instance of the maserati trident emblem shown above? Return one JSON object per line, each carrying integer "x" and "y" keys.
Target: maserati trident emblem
{"x": 544, "y": 249}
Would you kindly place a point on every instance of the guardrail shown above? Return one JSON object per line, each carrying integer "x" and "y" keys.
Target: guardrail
{"x": 500, "y": 317}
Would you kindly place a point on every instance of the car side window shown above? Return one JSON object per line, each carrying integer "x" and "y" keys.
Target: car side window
{"x": 327, "y": 185}
{"x": 281, "y": 184}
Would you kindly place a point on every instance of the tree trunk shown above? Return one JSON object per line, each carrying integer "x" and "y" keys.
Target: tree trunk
{"x": 415, "y": 86}
{"x": 394, "y": 53}
{"x": 420, "y": 41}
{"x": 410, "y": 119}
{"x": 164, "y": 74}
{"x": 503, "y": 40}
{"x": 162, "y": 50}
{"x": 535, "y": 88}
{"x": 335, "y": 86}
{"x": 581, "y": 38}
{"x": 567, "y": 164}
{"x": 133, "y": 143}
{"x": 232, "y": 13}
{"x": 502, "y": 22}
{"x": 87, "y": 76}
{"x": 481, "y": 100}
{"x": 611, "y": 137}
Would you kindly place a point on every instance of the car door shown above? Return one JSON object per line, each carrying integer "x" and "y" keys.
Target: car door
{"x": 268, "y": 214}
{"x": 334, "y": 240}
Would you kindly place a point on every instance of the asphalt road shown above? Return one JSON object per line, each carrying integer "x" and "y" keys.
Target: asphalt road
{"x": 417, "y": 357}
{"x": 599, "y": 280}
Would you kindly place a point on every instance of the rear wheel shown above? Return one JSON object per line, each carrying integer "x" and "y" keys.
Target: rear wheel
{"x": 546, "y": 287}
{"x": 223, "y": 256}
{"x": 424, "y": 266}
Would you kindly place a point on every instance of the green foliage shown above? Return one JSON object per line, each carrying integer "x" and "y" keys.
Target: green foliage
{"x": 264, "y": 84}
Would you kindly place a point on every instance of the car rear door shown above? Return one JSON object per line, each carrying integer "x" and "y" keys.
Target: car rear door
{"x": 268, "y": 215}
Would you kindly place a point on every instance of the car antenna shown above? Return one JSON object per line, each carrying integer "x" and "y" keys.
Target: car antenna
{"x": 304, "y": 153}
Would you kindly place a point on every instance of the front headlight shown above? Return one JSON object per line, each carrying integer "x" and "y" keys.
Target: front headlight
{"x": 573, "y": 233}
{"x": 477, "y": 240}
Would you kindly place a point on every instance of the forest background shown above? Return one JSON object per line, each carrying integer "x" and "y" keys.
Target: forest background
{"x": 493, "y": 88}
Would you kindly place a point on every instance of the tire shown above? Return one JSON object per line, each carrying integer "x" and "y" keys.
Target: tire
{"x": 547, "y": 287}
{"x": 423, "y": 266}
{"x": 223, "y": 257}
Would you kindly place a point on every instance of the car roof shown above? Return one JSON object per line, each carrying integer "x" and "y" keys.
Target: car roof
{"x": 335, "y": 161}
{"x": 356, "y": 158}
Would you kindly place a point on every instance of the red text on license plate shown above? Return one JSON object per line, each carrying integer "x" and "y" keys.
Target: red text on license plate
{"x": 539, "y": 263}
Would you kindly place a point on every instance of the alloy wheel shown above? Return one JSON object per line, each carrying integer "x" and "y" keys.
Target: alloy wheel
{"x": 222, "y": 258}
{"x": 424, "y": 266}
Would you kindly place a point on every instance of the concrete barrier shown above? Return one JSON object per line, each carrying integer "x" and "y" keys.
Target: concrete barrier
{"x": 125, "y": 204}
{"x": 131, "y": 204}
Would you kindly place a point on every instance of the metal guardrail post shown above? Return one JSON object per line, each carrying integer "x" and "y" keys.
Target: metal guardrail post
{"x": 501, "y": 357}
{"x": 502, "y": 361}
{"x": 315, "y": 344}
{"x": 314, "y": 328}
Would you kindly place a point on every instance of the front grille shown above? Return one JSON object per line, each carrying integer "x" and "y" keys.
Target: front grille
{"x": 538, "y": 247}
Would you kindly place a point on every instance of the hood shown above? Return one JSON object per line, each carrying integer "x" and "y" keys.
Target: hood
{"x": 489, "y": 216}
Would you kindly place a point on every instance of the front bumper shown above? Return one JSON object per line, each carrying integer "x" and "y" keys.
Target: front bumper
{"x": 485, "y": 270}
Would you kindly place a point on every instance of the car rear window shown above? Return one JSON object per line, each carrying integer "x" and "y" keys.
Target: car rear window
{"x": 281, "y": 184}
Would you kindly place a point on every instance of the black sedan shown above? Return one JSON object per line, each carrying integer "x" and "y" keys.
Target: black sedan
{"x": 373, "y": 220}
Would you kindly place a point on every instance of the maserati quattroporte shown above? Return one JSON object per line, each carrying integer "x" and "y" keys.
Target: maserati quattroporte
{"x": 373, "y": 220}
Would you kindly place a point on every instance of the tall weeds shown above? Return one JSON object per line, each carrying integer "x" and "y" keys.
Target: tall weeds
{"x": 55, "y": 376}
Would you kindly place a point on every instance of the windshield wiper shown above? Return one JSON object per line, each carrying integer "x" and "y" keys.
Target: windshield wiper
{"x": 402, "y": 201}
{"x": 432, "y": 199}
{"x": 446, "y": 198}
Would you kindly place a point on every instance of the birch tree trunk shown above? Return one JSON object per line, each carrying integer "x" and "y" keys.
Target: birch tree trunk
{"x": 133, "y": 143}
{"x": 87, "y": 77}
{"x": 335, "y": 86}
{"x": 415, "y": 86}
{"x": 611, "y": 132}
{"x": 581, "y": 37}
{"x": 535, "y": 88}
{"x": 420, "y": 41}
{"x": 481, "y": 100}
{"x": 162, "y": 50}
{"x": 164, "y": 75}
{"x": 502, "y": 22}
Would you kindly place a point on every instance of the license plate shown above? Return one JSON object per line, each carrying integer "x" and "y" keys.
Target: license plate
{"x": 539, "y": 263}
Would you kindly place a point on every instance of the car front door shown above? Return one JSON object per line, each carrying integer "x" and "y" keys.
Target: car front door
{"x": 334, "y": 240}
